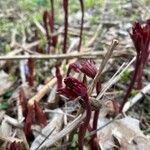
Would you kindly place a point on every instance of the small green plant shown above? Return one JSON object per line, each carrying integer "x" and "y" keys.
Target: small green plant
{"x": 4, "y": 106}
{"x": 74, "y": 141}
{"x": 125, "y": 76}
{"x": 133, "y": 92}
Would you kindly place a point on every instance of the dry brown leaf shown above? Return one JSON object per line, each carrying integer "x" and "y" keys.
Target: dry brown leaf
{"x": 125, "y": 130}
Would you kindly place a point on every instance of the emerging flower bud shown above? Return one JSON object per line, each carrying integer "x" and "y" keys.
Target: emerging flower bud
{"x": 88, "y": 67}
{"x": 73, "y": 88}
{"x": 141, "y": 39}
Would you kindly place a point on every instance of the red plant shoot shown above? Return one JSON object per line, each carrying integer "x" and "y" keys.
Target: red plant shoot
{"x": 52, "y": 24}
{"x": 49, "y": 22}
{"x": 28, "y": 122}
{"x": 23, "y": 101}
{"x": 39, "y": 115}
{"x": 141, "y": 39}
{"x": 30, "y": 75}
{"x": 82, "y": 22}
{"x": 46, "y": 22}
{"x": 59, "y": 78}
{"x": 88, "y": 68}
{"x": 77, "y": 88}
{"x": 65, "y": 7}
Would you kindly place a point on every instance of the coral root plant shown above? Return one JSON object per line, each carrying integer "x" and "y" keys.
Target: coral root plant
{"x": 75, "y": 88}
{"x": 31, "y": 112}
{"x": 141, "y": 38}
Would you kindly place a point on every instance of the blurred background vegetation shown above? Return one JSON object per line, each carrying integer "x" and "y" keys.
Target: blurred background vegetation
{"x": 20, "y": 14}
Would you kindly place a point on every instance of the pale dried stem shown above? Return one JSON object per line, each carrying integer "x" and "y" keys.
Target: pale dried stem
{"x": 104, "y": 62}
{"x": 90, "y": 55}
{"x": 42, "y": 92}
{"x": 12, "y": 121}
{"x": 136, "y": 98}
{"x": 20, "y": 112}
{"x": 65, "y": 131}
{"x": 116, "y": 77}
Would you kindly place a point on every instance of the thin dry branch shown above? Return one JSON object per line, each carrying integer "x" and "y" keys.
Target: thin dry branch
{"x": 136, "y": 98}
{"x": 90, "y": 55}
{"x": 42, "y": 92}
{"x": 105, "y": 60}
{"x": 116, "y": 77}
{"x": 54, "y": 138}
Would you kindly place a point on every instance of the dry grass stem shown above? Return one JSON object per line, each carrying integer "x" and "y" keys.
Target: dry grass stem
{"x": 114, "y": 79}
{"x": 102, "y": 65}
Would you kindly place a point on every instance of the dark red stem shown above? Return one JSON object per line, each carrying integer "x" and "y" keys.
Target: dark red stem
{"x": 131, "y": 83}
{"x": 139, "y": 77}
{"x": 85, "y": 124}
{"x": 30, "y": 75}
{"x": 96, "y": 115}
{"x": 28, "y": 123}
{"x": 23, "y": 102}
{"x": 94, "y": 141}
{"x": 82, "y": 22}
{"x": 45, "y": 21}
{"x": 52, "y": 10}
{"x": 65, "y": 6}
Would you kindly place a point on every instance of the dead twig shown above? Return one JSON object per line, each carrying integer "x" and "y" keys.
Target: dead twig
{"x": 53, "y": 139}
{"x": 42, "y": 92}
{"x": 105, "y": 60}
{"x": 116, "y": 77}
{"x": 136, "y": 98}
{"x": 90, "y": 55}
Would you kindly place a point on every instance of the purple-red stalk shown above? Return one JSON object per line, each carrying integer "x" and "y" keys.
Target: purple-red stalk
{"x": 39, "y": 115}
{"x": 30, "y": 74}
{"x": 141, "y": 38}
{"x": 59, "y": 78}
{"x": 94, "y": 141}
{"x": 28, "y": 123}
{"x": 46, "y": 23}
{"x": 23, "y": 102}
{"x": 89, "y": 69}
{"x": 52, "y": 12}
{"x": 73, "y": 89}
{"x": 65, "y": 7}
{"x": 131, "y": 85}
{"x": 82, "y": 23}
{"x": 84, "y": 126}
{"x": 52, "y": 24}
